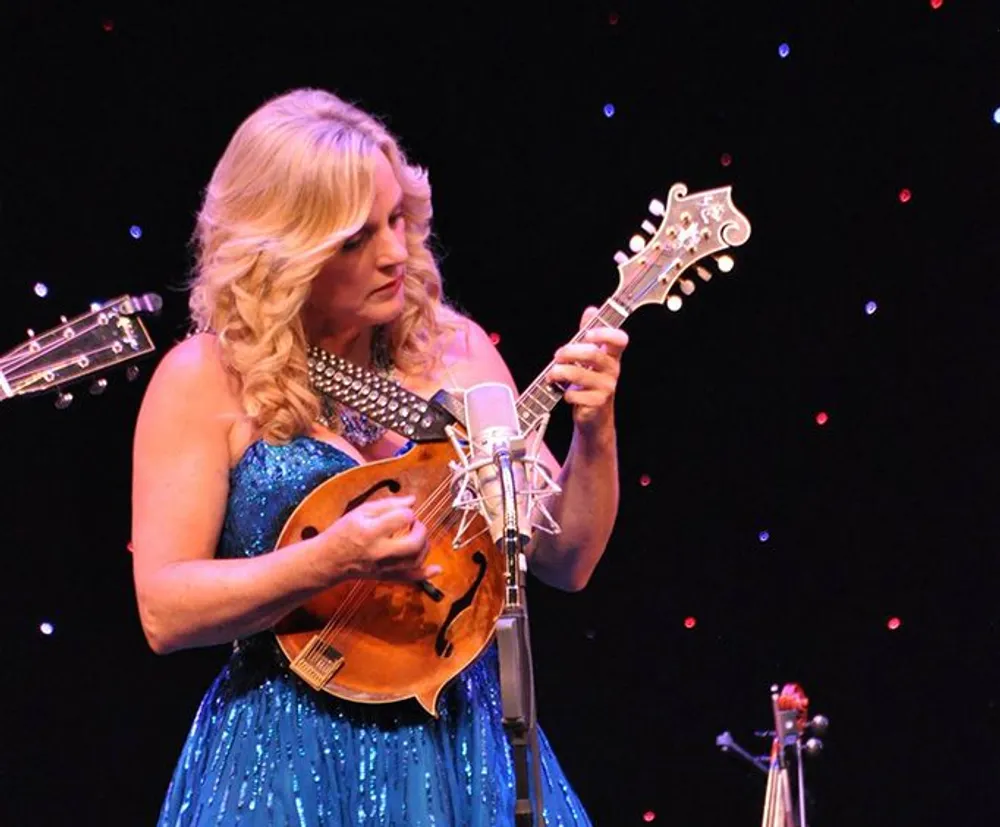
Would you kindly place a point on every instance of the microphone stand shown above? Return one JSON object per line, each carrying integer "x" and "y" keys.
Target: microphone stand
{"x": 517, "y": 687}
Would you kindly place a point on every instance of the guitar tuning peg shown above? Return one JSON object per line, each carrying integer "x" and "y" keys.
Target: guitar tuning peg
{"x": 620, "y": 258}
{"x": 674, "y": 303}
{"x": 132, "y": 373}
{"x": 703, "y": 273}
{"x": 98, "y": 387}
{"x": 31, "y": 333}
{"x": 636, "y": 243}
{"x": 63, "y": 319}
{"x": 687, "y": 286}
{"x": 656, "y": 207}
{"x": 648, "y": 227}
{"x": 64, "y": 400}
{"x": 813, "y": 746}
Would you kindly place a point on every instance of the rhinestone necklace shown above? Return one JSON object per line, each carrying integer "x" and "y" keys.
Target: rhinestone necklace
{"x": 355, "y": 427}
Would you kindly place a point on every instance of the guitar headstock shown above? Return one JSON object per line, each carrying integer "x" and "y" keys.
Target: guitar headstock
{"x": 691, "y": 228}
{"x": 109, "y": 334}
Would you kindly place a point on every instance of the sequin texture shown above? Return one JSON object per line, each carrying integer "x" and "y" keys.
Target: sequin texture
{"x": 265, "y": 749}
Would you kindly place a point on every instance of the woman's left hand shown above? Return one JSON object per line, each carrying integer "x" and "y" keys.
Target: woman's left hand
{"x": 591, "y": 368}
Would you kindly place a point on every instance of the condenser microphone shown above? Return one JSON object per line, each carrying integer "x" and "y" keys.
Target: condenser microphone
{"x": 495, "y": 440}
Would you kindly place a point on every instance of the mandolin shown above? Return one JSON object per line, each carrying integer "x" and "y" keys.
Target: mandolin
{"x": 110, "y": 334}
{"x": 378, "y": 641}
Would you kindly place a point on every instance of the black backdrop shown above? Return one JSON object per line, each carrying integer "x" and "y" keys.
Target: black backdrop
{"x": 114, "y": 115}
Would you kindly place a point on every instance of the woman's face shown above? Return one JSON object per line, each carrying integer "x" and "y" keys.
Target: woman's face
{"x": 362, "y": 284}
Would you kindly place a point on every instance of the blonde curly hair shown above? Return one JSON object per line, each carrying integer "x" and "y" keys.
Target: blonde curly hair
{"x": 295, "y": 181}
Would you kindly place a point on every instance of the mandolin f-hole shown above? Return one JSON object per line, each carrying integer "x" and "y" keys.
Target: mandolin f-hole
{"x": 442, "y": 645}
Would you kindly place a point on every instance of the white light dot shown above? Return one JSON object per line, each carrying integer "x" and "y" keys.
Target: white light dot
{"x": 46, "y": 628}
{"x": 996, "y": 115}
{"x": 764, "y": 536}
{"x": 41, "y": 290}
{"x": 609, "y": 110}
{"x": 784, "y": 49}
{"x": 135, "y": 231}
{"x": 95, "y": 306}
{"x": 870, "y": 308}
{"x": 724, "y": 263}
{"x": 674, "y": 303}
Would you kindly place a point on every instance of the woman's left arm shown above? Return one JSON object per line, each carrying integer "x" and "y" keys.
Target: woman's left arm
{"x": 588, "y": 505}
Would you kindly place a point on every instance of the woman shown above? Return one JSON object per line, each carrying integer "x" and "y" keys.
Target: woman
{"x": 313, "y": 232}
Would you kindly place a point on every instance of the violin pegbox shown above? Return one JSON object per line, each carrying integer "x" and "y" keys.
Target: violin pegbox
{"x": 692, "y": 227}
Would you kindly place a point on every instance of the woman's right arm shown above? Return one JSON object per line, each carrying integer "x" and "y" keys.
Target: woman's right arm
{"x": 180, "y": 486}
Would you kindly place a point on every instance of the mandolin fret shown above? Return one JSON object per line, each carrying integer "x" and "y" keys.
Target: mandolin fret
{"x": 542, "y": 396}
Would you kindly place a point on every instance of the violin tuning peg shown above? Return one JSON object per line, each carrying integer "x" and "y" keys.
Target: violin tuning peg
{"x": 656, "y": 207}
{"x": 98, "y": 386}
{"x": 703, "y": 273}
{"x": 819, "y": 723}
{"x": 674, "y": 303}
{"x": 813, "y": 746}
{"x": 648, "y": 227}
{"x": 687, "y": 286}
{"x": 636, "y": 243}
{"x": 620, "y": 258}
{"x": 63, "y": 401}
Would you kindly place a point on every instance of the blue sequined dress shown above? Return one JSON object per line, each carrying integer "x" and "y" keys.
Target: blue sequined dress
{"x": 265, "y": 749}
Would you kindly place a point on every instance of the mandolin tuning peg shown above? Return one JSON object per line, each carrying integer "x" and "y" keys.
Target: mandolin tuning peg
{"x": 648, "y": 227}
{"x": 64, "y": 400}
{"x": 636, "y": 243}
{"x": 620, "y": 258}
{"x": 674, "y": 303}
{"x": 98, "y": 386}
{"x": 703, "y": 273}
{"x": 687, "y": 286}
{"x": 656, "y": 207}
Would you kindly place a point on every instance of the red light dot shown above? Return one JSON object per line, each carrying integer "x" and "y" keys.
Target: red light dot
{"x": 644, "y": 480}
{"x": 894, "y": 623}
{"x": 905, "y": 195}
{"x": 936, "y": 4}
{"x": 690, "y": 622}
{"x": 726, "y": 159}
{"x": 649, "y": 815}
{"x": 495, "y": 338}
{"x": 613, "y": 18}
{"x": 108, "y": 25}
{"x": 821, "y": 418}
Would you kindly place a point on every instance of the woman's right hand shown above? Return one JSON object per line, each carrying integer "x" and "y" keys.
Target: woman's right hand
{"x": 380, "y": 540}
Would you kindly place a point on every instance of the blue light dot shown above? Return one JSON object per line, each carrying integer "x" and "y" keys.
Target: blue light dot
{"x": 763, "y": 536}
{"x": 135, "y": 231}
{"x": 46, "y": 628}
{"x": 609, "y": 110}
{"x": 996, "y": 115}
{"x": 783, "y": 50}
{"x": 870, "y": 308}
{"x": 41, "y": 290}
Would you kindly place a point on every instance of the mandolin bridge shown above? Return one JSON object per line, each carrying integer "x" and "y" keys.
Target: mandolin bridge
{"x": 317, "y": 663}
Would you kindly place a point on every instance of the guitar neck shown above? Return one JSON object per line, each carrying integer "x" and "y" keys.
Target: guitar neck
{"x": 541, "y": 396}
